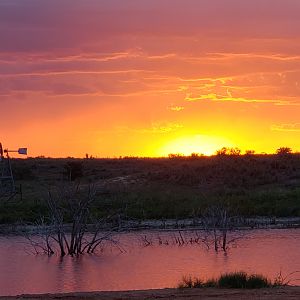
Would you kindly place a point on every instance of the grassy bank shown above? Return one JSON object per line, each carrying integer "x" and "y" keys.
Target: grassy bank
{"x": 253, "y": 185}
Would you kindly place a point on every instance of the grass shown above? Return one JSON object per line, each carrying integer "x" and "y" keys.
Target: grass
{"x": 256, "y": 185}
{"x": 234, "y": 280}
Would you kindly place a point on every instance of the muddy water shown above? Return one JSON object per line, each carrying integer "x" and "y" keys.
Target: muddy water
{"x": 137, "y": 266}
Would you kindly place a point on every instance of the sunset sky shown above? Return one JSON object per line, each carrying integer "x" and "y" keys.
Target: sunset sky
{"x": 149, "y": 77}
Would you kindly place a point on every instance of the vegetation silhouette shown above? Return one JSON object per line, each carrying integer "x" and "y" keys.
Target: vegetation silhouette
{"x": 161, "y": 188}
{"x": 70, "y": 227}
{"x": 229, "y": 151}
{"x": 284, "y": 151}
{"x": 234, "y": 280}
{"x": 73, "y": 170}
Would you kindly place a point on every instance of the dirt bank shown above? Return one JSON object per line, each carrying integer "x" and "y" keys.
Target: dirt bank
{"x": 209, "y": 293}
{"x": 168, "y": 224}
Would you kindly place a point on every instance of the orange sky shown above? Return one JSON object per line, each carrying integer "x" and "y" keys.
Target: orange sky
{"x": 146, "y": 78}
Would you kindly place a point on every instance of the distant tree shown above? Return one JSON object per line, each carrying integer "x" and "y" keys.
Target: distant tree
{"x": 284, "y": 151}
{"x": 175, "y": 155}
{"x": 223, "y": 151}
{"x": 234, "y": 151}
{"x": 229, "y": 151}
{"x": 249, "y": 152}
{"x": 195, "y": 155}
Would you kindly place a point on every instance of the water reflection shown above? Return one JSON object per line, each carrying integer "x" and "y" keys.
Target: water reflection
{"x": 140, "y": 267}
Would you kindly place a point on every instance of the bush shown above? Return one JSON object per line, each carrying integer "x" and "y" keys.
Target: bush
{"x": 189, "y": 282}
{"x": 235, "y": 280}
{"x": 73, "y": 170}
{"x": 257, "y": 281}
{"x": 210, "y": 283}
{"x": 284, "y": 150}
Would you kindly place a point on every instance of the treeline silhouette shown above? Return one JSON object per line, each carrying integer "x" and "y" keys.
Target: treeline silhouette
{"x": 232, "y": 152}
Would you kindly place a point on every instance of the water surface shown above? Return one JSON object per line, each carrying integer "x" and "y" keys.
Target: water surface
{"x": 139, "y": 267}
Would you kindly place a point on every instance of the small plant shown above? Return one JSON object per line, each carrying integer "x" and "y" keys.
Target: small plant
{"x": 284, "y": 280}
{"x": 235, "y": 280}
{"x": 188, "y": 283}
{"x": 210, "y": 283}
{"x": 198, "y": 283}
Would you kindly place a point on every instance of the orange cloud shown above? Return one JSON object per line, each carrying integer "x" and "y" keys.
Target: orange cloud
{"x": 177, "y": 108}
{"x": 286, "y": 127}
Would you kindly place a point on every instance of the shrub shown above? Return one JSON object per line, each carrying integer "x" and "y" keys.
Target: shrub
{"x": 284, "y": 151}
{"x": 210, "y": 283}
{"x": 235, "y": 280}
{"x": 257, "y": 281}
{"x": 198, "y": 283}
{"x": 189, "y": 282}
{"x": 73, "y": 170}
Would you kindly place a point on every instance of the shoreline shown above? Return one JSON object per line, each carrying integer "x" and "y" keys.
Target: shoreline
{"x": 288, "y": 292}
{"x": 251, "y": 223}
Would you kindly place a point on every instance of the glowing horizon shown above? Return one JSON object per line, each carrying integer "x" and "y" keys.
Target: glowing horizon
{"x": 149, "y": 78}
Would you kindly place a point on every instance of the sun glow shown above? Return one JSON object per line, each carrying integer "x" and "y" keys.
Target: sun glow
{"x": 201, "y": 144}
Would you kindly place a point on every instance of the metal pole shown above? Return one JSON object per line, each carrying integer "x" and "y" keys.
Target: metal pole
{"x": 11, "y": 174}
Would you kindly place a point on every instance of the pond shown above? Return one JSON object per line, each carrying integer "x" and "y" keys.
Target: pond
{"x": 137, "y": 266}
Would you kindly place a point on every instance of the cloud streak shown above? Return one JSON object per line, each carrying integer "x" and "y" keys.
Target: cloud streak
{"x": 286, "y": 127}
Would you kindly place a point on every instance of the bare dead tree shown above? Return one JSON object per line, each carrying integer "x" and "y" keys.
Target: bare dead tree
{"x": 40, "y": 242}
{"x": 71, "y": 228}
{"x": 217, "y": 221}
{"x": 176, "y": 238}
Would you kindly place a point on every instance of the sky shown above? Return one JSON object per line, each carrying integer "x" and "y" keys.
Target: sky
{"x": 149, "y": 77}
